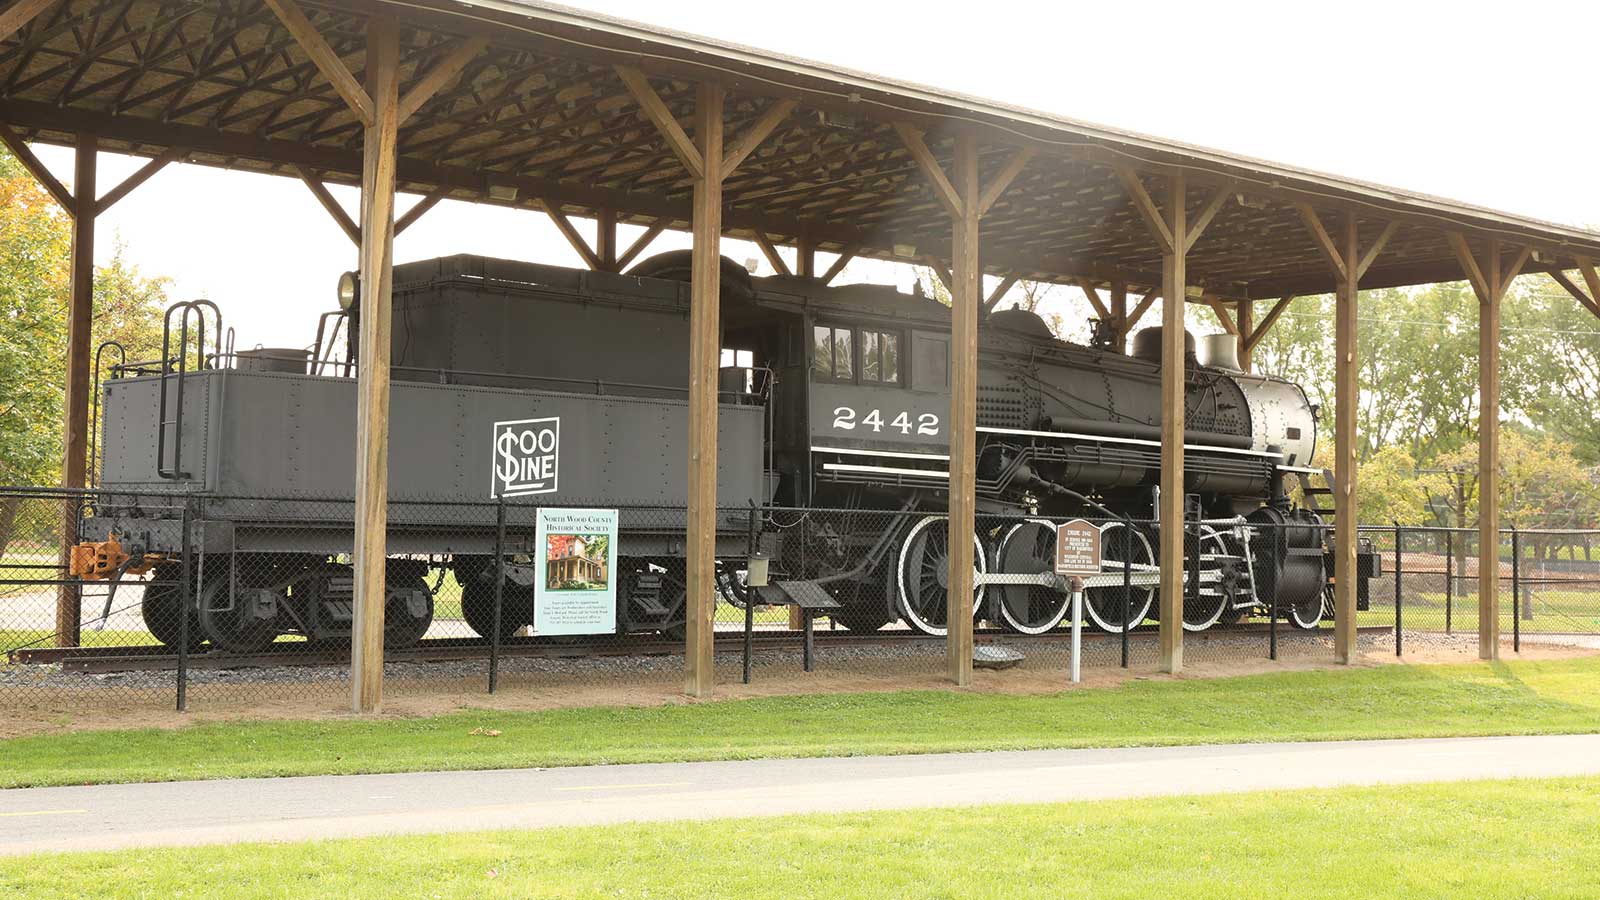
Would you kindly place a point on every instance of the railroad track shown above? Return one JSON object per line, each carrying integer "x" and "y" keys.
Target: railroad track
{"x": 139, "y": 658}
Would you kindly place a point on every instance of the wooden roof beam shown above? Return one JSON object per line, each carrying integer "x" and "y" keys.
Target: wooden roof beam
{"x": 1198, "y": 226}
{"x": 52, "y": 185}
{"x": 1002, "y": 180}
{"x": 20, "y": 14}
{"x": 1223, "y": 317}
{"x": 943, "y": 190}
{"x": 1147, "y": 208}
{"x": 771, "y": 253}
{"x": 655, "y": 109}
{"x": 1324, "y": 242}
{"x": 419, "y": 209}
{"x": 440, "y": 75}
{"x": 568, "y": 231}
{"x": 753, "y": 136}
{"x": 145, "y": 172}
{"x": 324, "y": 57}
{"x": 1260, "y": 331}
{"x": 1093, "y": 293}
{"x": 1560, "y": 277}
{"x": 650, "y": 234}
{"x": 1145, "y": 302}
{"x": 1000, "y": 290}
{"x": 845, "y": 255}
{"x": 340, "y": 217}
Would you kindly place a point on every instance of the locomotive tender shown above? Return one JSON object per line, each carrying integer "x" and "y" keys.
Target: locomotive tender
{"x": 564, "y": 387}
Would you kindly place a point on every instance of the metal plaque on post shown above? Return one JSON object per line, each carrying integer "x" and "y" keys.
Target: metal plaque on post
{"x": 1077, "y": 548}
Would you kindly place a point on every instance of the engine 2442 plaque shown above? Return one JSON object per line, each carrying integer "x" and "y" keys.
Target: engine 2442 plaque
{"x": 1077, "y": 548}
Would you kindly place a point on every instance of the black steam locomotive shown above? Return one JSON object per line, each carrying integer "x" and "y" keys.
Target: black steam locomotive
{"x": 563, "y": 387}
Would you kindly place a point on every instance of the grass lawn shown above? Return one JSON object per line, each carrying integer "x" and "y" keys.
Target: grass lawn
{"x": 1533, "y": 838}
{"x": 1557, "y": 696}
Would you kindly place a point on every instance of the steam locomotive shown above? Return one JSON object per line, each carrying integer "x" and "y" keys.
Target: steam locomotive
{"x": 562, "y": 387}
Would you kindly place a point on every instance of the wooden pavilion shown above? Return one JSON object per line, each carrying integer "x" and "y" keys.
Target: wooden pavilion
{"x": 526, "y": 104}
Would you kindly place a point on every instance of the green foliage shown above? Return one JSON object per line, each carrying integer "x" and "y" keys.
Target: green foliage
{"x": 35, "y": 252}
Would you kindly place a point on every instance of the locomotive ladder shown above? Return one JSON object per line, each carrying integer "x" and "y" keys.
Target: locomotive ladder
{"x": 1314, "y": 493}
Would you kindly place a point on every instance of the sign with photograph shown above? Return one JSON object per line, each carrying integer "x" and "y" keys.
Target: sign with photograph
{"x": 1077, "y": 548}
{"x": 576, "y": 590}
{"x": 527, "y": 457}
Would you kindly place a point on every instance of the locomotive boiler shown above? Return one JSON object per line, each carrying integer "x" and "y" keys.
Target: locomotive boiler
{"x": 561, "y": 387}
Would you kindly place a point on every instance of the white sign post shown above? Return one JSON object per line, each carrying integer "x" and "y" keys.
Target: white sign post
{"x": 1077, "y": 555}
{"x": 577, "y": 553}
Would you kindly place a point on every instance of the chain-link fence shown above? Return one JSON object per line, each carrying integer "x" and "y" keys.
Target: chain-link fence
{"x": 1428, "y": 595}
{"x": 162, "y": 599}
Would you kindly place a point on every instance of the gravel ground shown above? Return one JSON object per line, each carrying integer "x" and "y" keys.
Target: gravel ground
{"x": 919, "y": 656}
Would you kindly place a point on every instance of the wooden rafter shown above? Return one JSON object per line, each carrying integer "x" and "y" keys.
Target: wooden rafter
{"x": 143, "y": 174}
{"x": 52, "y": 185}
{"x": 324, "y": 57}
{"x": 943, "y": 190}
{"x": 1000, "y": 290}
{"x": 1560, "y": 277}
{"x": 756, "y": 133}
{"x": 845, "y": 255}
{"x": 1260, "y": 331}
{"x": 940, "y": 271}
{"x": 1324, "y": 242}
{"x": 564, "y": 225}
{"x": 1490, "y": 279}
{"x": 438, "y": 76}
{"x": 1002, "y": 180}
{"x": 419, "y": 209}
{"x": 1368, "y": 257}
{"x": 1140, "y": 309}
{"x": 1223, "y": 317}
{"x": 771, "y": 253}
{"x": 1198, "y": 226}
{"x": 655, "y": 109}
{"x": 1146, "y": 207}
{"x": 640, "y": 243}
{"x": 340, "y": 217}
{"x": 21, "y": 13}
{"x": 1095, "y": 300}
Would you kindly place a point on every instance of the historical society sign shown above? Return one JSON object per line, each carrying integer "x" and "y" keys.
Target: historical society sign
{"x": 577, "y": 591}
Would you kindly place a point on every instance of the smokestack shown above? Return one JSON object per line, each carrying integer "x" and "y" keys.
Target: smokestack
{"x": 1222, "y": 352}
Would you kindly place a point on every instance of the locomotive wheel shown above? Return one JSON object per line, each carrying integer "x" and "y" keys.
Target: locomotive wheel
{"x": 1028, "y": 548}
{"x": 226, "y": 619}
{"x": 401, "y": 628}
{"x": 161, "y": 608}
{"x": 477, "y": 607}
{"x": 923, "y": 572}
{"x": 1204, "y": 608}
{"x": 862, "y": 605}
{"x": 1107, "y": 607}
{"x": 1307, "y": 614}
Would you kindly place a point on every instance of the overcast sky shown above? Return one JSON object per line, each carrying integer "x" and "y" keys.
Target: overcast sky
{"x": 1470, "y": 102}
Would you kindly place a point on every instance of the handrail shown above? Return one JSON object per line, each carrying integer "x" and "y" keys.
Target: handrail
{"x": 94, "y": 416}
{"x": 186, "y": 307}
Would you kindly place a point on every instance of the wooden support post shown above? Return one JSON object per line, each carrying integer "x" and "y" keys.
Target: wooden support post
{"x": 80, "y": 328}
{"x": 1489, "y": 459}
{"x": 1346, "y": 402}
{"x": 704, "y": 358}
{"x": 1348, "y": 263}
{"x": 370, "y": 559}
{"x": 1174, "y": 286}
{"x": 639, "y": 244}
{"x": 605, "y": 239}
{"x": 805, "y": 263}
{"x": 1246, "y": 320}
{"x": 330, "y": 205}
{"x": 1119, "y": 316}
{"x": 1490, "y": 279}
{"x": 703, "y": 157}
{"x": 965, "y": 199}
{"x": 418, "y": 210}
{"x": 966, "y": 293}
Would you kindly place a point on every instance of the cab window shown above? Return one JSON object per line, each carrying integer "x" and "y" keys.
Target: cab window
{"x": 855, "y": 355}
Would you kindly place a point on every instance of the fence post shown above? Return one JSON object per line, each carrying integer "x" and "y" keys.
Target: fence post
{"x": 1272, "y": 610}
{"x": 1449, "y": 577}
{"x": 749, "y": 596}
{"x": 1127, "y": 584}
{"x": 1399, "y": 604}
{"x": 185, "y": 589}
{"x": 499, "y": 592}
{"x": 1516, "y": 590}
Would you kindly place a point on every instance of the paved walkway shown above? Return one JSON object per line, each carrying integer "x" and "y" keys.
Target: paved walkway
{"x": 281, "y": 809}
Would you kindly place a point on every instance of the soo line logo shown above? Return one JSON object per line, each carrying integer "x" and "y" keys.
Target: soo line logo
{"x": 527, "y": 457}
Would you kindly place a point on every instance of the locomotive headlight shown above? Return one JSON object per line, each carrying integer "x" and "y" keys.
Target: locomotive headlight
{"x": 349, "y": 291}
